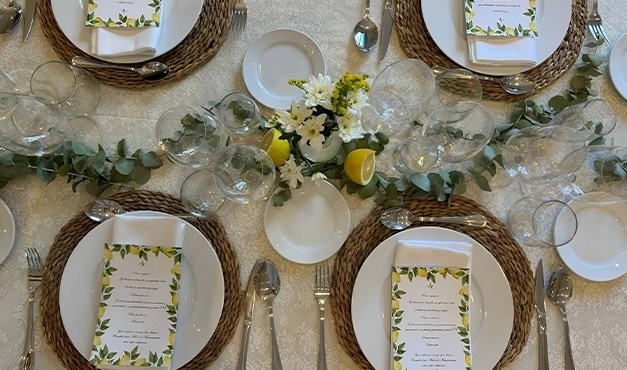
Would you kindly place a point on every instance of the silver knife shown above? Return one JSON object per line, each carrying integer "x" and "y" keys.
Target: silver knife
{"x": 248, "y": 316}
{"x": 29, "y": 18}
{"x": 540, "y": 307}
{"x": 386, "y": 28}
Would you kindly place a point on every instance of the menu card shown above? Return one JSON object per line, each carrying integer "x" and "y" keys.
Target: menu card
{"x": 137, "y": 315}
{"x": 501, "y": 18}
{"x": 430, "y": 308}
{"x": 123, "y": 13}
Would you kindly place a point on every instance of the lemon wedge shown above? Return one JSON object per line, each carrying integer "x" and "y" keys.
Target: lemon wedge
{"x": 277, "y": 149}
{"x": 359, "y": 165}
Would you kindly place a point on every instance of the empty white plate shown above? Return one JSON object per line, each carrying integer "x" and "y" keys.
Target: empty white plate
{"x": 618, "y": 66}
{"x": 7, "y": 231}
{"x": 277, "y": 57}
{"x": 311, "y": 226}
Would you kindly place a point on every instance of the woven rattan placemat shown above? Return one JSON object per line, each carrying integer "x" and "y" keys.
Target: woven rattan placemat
{"x": 497, "y": 240}
{"x": 79, "y": 226}
{"x": 195, "y": 50}
{"x": 417, "y": 43}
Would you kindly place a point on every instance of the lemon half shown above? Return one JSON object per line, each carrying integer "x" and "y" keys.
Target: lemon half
{"x": 277, "y": 149}
{"x": 359, "y": 165}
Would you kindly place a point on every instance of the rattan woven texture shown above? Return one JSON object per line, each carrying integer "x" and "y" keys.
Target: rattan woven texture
{"x": 497, "y": 240}
{"x": 80, "y": 225}
{"x": 417, "y": 43}
{"x": 194, "y": 51}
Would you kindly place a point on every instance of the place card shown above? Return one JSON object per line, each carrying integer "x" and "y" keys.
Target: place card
{"x": 137, "y": 315}
{"x": 509, "y": 18}
{"x": 123, "y": 13}
{"x": 430, "y": 305}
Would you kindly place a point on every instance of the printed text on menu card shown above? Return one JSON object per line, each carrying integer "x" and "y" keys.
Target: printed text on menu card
{"x": 124, "y": 13}
{"x": 139, "y": 301}
{"x": 430, "y": 318}
{"x": 501, "y": 18}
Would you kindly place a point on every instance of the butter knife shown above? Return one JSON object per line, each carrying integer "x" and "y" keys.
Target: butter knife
{"x": 543, "y": 352}
{"x": 248, "y": 316}
{"x": 386, "y": 28}
{"x": 29, "y": 18}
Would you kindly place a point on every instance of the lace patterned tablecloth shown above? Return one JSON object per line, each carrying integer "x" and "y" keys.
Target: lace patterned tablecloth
{"x": 597, "y": 311}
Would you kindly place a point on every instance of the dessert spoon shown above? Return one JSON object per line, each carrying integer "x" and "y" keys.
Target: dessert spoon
{"x": 366, "y": 32}
{"x": 151, "y": 71}
{"x": 10, "y": 14}
{"x": 399, "y": 218}
{"x": 101, "y": 210}
{"x": 267, "y": 285}
{"x": 516, "y": 84}
{"x": 560, "y": 291}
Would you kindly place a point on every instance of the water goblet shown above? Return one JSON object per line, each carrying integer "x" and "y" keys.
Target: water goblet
{"x": 593, "y": 118}
{"x": 201, "y": 196}
{"x": 456, "y": 87}
{"x": 244, "y": 173}
{"x": 239, "y": 114}
{"x": 189, "y": 136}
{"x": 416, "y": 154}
{"x": 71, "y": 88}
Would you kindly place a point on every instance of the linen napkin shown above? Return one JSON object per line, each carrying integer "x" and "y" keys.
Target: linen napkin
{"x": 117, "y": 42}
{"x": 129, "y": 228}
{"x": 502, "y": 32}
{"x": 430, "y": 305}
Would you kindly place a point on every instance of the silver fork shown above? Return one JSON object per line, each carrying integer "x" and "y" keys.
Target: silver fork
{"x": 595, "y": 24}
{"x": 240, "y": 13}
{"x": 35, "y": 270}
{"x": 322, "y": 293}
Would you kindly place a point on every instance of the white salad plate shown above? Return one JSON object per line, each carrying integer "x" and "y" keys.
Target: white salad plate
{"x": 276, "y": 57}
{"x": 491, "y": 304}
{"x": 201, "y": 295}
{"x": 178, "y": 19}
{"x": 598, "y": 251}
{"x": 7, "y": 231}
{"x": 446, "y": 24}
{"x": 311, "y": 226}
{"x": 618, "y": 66}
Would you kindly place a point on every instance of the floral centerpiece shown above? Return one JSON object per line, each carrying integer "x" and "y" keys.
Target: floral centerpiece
{"x": 321, "y": 136}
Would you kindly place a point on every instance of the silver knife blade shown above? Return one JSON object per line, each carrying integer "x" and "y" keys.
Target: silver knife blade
{"x": 386, "y": 28}
{"x": 29, "y": 18}
{"x": 543, "y": 353}
{"x": 248, "y": 315}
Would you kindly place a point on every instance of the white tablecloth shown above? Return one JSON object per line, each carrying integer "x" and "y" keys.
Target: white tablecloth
{"x": 598, "y": 311}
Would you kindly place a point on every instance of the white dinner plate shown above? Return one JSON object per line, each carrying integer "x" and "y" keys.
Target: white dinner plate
{"x": 598, "y": 251}
{"x": 276, "y": 57}
{"x": 618, "y": 66}
{"x": 446, "y": 25}
{"x": 7, "y": 231}
{"x": 311, "y": 226}
{"x": 491, "y": 305}
{"x": 179, "y": 18}
{"x": 201, "y": 295}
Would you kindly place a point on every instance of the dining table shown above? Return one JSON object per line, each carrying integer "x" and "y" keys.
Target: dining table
{"x": 597, "y": 310}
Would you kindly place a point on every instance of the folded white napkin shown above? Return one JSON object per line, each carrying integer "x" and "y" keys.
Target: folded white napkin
{"x": 147, "y": 230}
{"x": 117, "y": 42}
{"x": 428, "y": 253}
{"x": 503, "y": 50}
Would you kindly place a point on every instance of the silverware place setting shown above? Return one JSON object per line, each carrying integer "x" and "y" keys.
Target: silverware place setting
{"x": 35, "y": 271}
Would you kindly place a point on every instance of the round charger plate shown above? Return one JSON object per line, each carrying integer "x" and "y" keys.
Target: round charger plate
{"x": 200, "y": 303}
{"x": 7, "y": 231}
{"x": 311, "y": 226}
{"x": 445, "y": 22}
{"x": 491, "y": 304}
{"x": 276, "y": 57}
{"x": 179, "y": 18}
{"x": 587, "y": 255}
{"x": 618, "y": 66}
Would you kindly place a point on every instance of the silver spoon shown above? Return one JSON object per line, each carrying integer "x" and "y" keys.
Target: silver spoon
{"x": 267, "y": 285}
{"x": 9, "y": 16}
{"x": 560, "y": 291}
{"x": 399, "y": 218}
{"x": 366, "y": 32}
{"x": 101, "y": 210}
{"x": 151, "y": 71}
{"x": 516, "y": 84}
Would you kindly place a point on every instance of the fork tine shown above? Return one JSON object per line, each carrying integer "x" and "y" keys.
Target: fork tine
{"x": 602, "y": 29}
{"x": 326, "y": 276}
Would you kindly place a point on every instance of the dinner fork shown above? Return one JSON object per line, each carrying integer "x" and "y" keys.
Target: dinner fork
{"x": 35, "y": 270}
{"x": 595, "y": 24}
{"x": 322, "y": 293}
{"x": 240, "y": 13}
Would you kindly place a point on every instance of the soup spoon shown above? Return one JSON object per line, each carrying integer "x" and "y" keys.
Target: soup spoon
{"x": 399, "y": 218}
{"x": 151, "y": 71}
{"x": 101, "y": 210}
{"x": 366, "y": 32}
{"x": 9, "y": 16}
{"x": 516, "y": 84}
{"x": 560, "y": 291}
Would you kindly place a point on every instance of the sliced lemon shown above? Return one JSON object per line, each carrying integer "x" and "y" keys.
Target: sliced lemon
{"x": 359, "y": 165}
{"x": 277, "y": 149}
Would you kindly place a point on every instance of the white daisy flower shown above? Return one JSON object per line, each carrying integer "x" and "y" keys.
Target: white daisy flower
{"x": 357, "y": 100}
{"x": 311, "y": 131}
{"x": 294, "y": 117}
{"x": 349, "y": 128}
{"x": 318, "y": 177}
{"x": 291, "y": 172}
{"x": 318, "y": 91}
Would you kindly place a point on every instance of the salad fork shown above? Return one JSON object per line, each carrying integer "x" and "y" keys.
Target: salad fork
{"x": 595, "y": 24}
{"x": 240, "y": 13}
{"x": 35, "y": 270}
{"x": 322, "y": 293}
